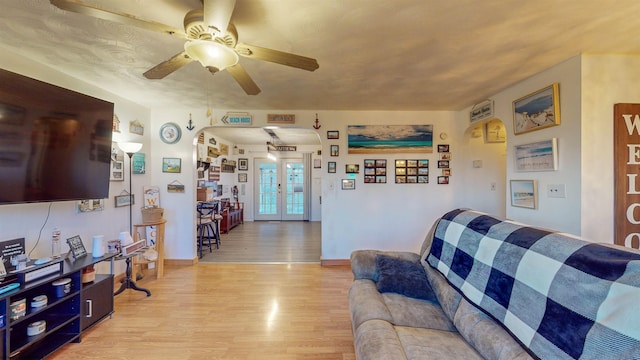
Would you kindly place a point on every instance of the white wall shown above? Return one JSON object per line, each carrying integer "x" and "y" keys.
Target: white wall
{"x": 33, "y": 221}
{"x": 562, "y": 214}
{"x": 387, "y": 216}
{"x": 606, "y": 80}
{"x": 383, "y": 216}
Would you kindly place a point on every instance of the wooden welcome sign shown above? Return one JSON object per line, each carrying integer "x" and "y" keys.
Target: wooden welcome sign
{"x": 626, "y": 152}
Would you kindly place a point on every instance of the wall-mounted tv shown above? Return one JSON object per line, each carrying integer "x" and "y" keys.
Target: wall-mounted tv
{"x": 55, "y": 144}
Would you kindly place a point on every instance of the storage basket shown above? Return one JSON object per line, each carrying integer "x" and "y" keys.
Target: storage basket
{"x": 150, "y": 215}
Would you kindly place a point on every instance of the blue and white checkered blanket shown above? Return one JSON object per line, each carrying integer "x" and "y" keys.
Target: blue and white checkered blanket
{"x": 561, "y": 297}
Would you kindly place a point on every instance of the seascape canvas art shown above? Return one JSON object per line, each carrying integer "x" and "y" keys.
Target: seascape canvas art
{"x": 371, "y": 139}
{"x": 537, "y": 111}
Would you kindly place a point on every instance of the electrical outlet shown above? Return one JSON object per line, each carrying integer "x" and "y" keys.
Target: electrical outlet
{"x": 556, "y": 191}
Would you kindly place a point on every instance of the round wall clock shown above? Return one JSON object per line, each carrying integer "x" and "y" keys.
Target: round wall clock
{"x": 170, "y": 133}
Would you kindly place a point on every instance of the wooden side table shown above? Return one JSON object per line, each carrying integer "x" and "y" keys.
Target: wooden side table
{"x": 159, "y": 247}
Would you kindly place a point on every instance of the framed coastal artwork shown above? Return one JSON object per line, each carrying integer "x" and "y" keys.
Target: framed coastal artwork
{"x": 524, "y": 193}
{"x": 538, "y": 110}
{"x": 538, "y": 156}
{"x": 375, "y": 139}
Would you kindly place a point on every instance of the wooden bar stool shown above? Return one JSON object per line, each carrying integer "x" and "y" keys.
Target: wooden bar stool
{"x": 208, "y": 231}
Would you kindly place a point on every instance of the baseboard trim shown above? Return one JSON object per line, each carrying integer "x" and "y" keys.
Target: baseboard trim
{"x": 181, "y": 262}
{"x": 336, "y": 262}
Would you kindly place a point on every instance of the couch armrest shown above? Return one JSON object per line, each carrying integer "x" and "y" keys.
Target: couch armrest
{"x": 363, "y": 262}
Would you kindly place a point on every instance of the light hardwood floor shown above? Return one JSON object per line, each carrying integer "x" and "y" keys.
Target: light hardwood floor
{"x": 269, "y": 242}
{"x": 229, "y": 311}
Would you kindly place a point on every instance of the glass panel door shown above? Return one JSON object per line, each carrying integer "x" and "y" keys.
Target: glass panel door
{"x": 293, "y": 195}
{"x": 279, "y": 189}
{"x": 268, "y": 190}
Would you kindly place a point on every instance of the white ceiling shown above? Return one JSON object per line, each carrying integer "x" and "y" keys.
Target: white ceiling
{"x": 373, "y": 54}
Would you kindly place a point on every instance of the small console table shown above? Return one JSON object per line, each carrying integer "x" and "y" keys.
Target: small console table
{"x": 131, "y": 259}
{"x": 159, "y": 244}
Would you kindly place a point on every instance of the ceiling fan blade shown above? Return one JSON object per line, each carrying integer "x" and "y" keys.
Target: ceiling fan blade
{"x": 80, "y": 7}
{"x": 167, "y": 67}
{"x": 217, "y": 14}
{"x": 243, "y": 79}
{"x": 278, "y": 57}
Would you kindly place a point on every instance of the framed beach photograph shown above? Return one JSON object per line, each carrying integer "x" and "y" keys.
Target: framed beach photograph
{"x": 352, "y": 168}
{"x": 376, "y": 139}
{"x": 524, "y": 193}
{"x": 348, "y": 184}
{"x": 333, "y": 134}
{"x": 538, "y": 110}
{"x": 171, "y": 165}
{"x": 334, "y": 150}
{"x": 538, "y": 156}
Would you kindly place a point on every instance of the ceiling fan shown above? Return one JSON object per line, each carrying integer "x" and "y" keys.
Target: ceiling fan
{"x": 211, "y": 38}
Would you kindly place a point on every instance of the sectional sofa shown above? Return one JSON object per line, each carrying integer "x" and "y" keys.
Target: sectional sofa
{"x": 483, "y": 287}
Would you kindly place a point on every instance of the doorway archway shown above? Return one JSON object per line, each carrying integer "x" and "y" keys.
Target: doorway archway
{"x": 248, "y": 146}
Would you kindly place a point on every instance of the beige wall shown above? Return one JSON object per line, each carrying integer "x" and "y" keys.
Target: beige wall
{"x": 606, "y": 80}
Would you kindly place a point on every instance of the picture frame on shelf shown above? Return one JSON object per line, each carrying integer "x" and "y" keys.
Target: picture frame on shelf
{"x": 537, "y": 110}
{"x": 524, "y": 194}
{"x": 538, "y": 156}
{"x": 348, "y": 184}
{"x": 331, "y": 167}
{"x": 76, "y": 247}
{"x": 333, "y": 134}
{"x": 243, "y": 164}
{"x": 242, "y": 177}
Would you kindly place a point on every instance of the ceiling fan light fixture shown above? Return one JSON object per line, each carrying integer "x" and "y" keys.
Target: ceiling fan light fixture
{"x": 211, "y": 54}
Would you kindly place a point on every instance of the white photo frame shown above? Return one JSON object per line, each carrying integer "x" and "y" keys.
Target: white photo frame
{"x": 538, "y": 156}
{"x": 524, "y": 193}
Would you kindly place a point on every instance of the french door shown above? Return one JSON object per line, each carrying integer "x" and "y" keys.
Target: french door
{"x": 279, "y": 189}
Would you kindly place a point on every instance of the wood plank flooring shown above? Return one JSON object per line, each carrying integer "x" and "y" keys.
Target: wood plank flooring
{"x": 228, "y": 311}
{"x": 269, "y": 242}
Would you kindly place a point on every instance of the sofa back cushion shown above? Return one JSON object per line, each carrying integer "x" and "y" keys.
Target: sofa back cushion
{"x": 561, "y": 297}
{"x": 403, "y": 277}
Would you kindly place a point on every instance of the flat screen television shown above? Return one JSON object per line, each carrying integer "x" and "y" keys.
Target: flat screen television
{"x": 55, "y": 144}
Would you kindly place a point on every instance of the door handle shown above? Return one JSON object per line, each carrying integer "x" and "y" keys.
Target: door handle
{"x": 90, "y": 308}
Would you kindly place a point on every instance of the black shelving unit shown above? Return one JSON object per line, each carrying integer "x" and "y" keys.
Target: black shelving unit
{"x": 66, "y": 317}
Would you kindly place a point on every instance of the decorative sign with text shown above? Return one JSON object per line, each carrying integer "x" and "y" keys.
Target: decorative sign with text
{"x": 626, "y": 153}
